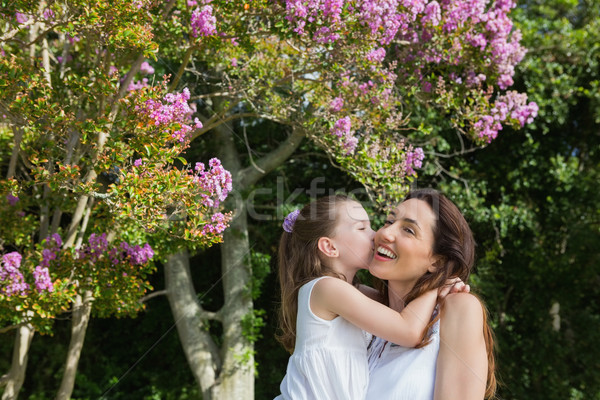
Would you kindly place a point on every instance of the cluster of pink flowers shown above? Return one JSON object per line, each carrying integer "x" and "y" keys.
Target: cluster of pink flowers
{"x": 203, "y": 21}
{"x": 94, "y": 249}
{"x": 512, "y": 105}
{"x": 51, "y": 249}
{"x": 432, "y": 14}
{"x": 12, "y": 200}
{"x": 173, "y": 110}
{"x": 336, "y": 104}
{"x": 21, "y": 18}
{"x": 12, "y": 281}
{"x": 42, "y": 280}
{"x": 413, "y": 159}
{"x": 41, "y": 274}
{"x": 145, "y": 69}
{"x": 376, "y": 55}
{"x": 490, "y": 32}
{"x": 389, "y": 17}
{"x": 11, "y": 278}
{"x": 138, "y": 85}
{"x": 215, "y": 183}
{"x": 218, "y": 225}
{"x": 97, "y": 248}
{"x": 342, "y": 129}
{"x": 136, "y": 255}
{"x": 383, "y": 18}
{"x": 487, "y": 128}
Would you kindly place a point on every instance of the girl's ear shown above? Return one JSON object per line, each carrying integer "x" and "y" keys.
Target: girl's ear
{"x": 327, "y": 247}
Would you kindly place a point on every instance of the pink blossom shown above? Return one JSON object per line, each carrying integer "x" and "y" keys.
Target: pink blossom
{"x": 138, "y": 85}
{"x": 376, "y": 55}
{"x": 174, "y": 109}
{"x": 146, "y": 68}
{"x": 342, "y": 130}
{"x": 413, "y": 159}
{"x": 203, "y": 22}
{"x": 336, "y": 104}
{"x": 48, "y": 14}
{"x": 218, "y": 225}
{"x": 432, "y": 14}
{"x": 215, "y": 183}
{"x": 12, "y": 200}
{"x": 42, "y": 279}
{"x": 21, "y": 18}
{"x": 12, "y": 281}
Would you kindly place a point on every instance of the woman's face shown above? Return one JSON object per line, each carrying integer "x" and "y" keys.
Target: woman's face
{"x": 403, "y": 246}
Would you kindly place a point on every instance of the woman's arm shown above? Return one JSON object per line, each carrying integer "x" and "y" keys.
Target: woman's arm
{"x": 461, "y": 371}
{"x": 332, "y": 297}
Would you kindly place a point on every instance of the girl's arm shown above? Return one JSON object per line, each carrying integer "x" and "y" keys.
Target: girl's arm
{"x": 332, "y": 297}
{"x": 461, "y": 371}
{"x": 370, "y": 292}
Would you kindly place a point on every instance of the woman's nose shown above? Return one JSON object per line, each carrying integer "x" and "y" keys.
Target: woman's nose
{"x": 385, "y": 233}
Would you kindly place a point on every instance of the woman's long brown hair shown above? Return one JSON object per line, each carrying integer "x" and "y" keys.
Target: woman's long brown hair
{"x": 454, "y": 242}
{"x": 299, "y": 261}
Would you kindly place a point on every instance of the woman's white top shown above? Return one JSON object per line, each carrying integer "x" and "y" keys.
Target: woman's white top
{"x": 402, "y": 373}
{"x": 330, "y": 357}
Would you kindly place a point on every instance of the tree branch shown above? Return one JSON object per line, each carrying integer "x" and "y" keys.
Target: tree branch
{"x": 184, "y": 63}
{"x": 12, "y": 166}
{"x": 153, "y": 295}
{"x": 249, "y": 175}
{"x": 11, "y": 327}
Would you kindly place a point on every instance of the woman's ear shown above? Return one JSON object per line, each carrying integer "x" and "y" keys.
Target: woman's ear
{"x": 436, "y": 262}
{"x": 327, "y": 247}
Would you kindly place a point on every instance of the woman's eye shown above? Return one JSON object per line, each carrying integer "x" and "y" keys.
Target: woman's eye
{"x": 409, "y": 230}
{"x": 388, "y": 222}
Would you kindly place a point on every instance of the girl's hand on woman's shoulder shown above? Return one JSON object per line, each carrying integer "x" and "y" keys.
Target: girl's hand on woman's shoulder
{"x": 453, "y": 285}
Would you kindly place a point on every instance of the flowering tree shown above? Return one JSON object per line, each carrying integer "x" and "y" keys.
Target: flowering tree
{"x": 365, "y": 79}
{"x": 90, "y": 175}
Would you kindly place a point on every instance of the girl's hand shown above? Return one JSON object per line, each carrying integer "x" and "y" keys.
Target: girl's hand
{"x": 454, "y": 285}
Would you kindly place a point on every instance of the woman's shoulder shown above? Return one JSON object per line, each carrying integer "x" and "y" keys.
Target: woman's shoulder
{"x": 462, "y": 312}
{"x": 462, "y": 302}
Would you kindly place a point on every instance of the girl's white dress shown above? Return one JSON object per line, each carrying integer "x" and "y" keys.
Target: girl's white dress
{"x": 402, "y": 373}
{"x": 330, "y": 357}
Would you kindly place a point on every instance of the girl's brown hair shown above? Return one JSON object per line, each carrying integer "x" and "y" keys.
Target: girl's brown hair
{"x": 299, "y": 260}
{"x": 454, "y": 242}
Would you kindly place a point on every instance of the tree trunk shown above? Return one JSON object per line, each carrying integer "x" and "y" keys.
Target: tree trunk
{"x": 82, "y": 309}
{"x": 16, "y": 375}
{"x": 236, "y": 380}
{"x": 200, "y": 350}
{"x": 229, "y": 376}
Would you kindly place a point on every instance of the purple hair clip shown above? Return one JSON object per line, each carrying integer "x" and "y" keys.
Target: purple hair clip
{"x": 290, "y": 220}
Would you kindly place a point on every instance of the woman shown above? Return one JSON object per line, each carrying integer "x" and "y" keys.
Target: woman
{"x": 424, "y": 242}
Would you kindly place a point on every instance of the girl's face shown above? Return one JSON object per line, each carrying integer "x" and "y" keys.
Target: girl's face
{"x": 353, "y": 235}
{"x": 403, "y": 246}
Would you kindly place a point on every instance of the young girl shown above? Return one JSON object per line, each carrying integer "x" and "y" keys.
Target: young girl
{"x": 322, "y": 248}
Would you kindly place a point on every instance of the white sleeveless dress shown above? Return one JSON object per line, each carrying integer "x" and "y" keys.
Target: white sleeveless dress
{"x": 330, "y": 357}
{"x": 401, "y": 373}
